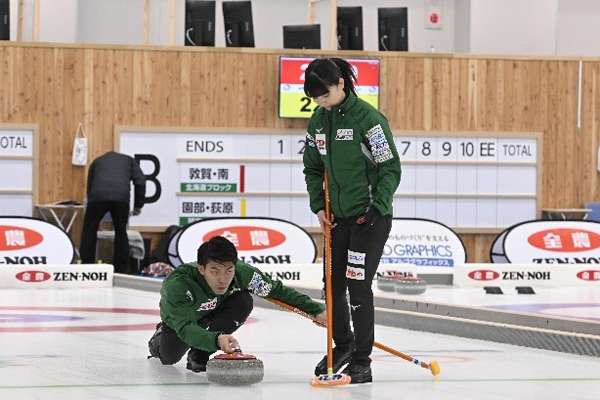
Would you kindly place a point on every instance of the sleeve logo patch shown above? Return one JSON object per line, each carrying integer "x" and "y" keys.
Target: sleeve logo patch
{"x": 321, "y": 144}
{"x": 375, "y": 130}
{"x": 355, "y": 257}
{"x": 357, "y": 274}
{"x": 310, "y": 141}
{"x": 258, "y": 286}
{"x": 189, "y": 296}
{"x": 211, "y": 304}
{"x": 380, "y": 148}
{"x": 344, "y": 134}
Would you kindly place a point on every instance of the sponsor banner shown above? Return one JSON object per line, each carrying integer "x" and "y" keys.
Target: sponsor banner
{"x": 258, "y": 240}
{"x": 310, "y": 276}
{"x": 538, "y": 275}
{"x": 552, "y": 242}
{"x": 386, "y": 270}
{"x": 32, "y": 241}
{"x": 423, "y": 243}
{"x": 56, "y": 276}
{"x": 497, "y": 250}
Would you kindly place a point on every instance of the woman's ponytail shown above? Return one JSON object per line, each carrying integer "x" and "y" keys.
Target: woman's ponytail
{"x": 348, "y": 73}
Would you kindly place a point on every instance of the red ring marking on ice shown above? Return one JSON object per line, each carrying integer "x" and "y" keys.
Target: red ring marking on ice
{"x": 97, "y": 328}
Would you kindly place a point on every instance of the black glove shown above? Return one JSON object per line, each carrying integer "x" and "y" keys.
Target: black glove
{"x": 369, "y": 218}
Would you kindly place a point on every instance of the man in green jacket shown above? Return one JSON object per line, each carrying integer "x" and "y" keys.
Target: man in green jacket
{"x": 203, "y": 303}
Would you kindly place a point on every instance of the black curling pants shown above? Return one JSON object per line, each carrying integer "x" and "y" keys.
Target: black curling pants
{"x": 356, "y": 252}
{"x": 119, "y": 212}
{"x": 227, "y": 318}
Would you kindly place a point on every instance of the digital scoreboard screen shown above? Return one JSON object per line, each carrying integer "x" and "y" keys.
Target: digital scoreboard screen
{"x": 293, "y": 103}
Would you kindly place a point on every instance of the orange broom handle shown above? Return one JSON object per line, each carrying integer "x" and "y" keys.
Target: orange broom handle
{"x": 433, "y": 366}
{"x": 328, "y": 299}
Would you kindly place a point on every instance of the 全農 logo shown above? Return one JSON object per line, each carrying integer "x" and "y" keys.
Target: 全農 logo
{"x": 590, "y": 275}
{"x": 565, "y": 240}
{"x": 18, "y": 238}
{"x": 484, "y": 275}
{"x": 33, "y": 276}
{"x": 249, "y": 237}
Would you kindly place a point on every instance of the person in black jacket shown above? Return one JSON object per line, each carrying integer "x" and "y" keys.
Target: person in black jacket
{"x": 108, "y": 190}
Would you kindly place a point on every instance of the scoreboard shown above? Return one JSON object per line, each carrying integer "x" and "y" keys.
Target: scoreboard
{"x": 471, "y": 181}
{"x": 293, "y": 102}
{"x": 18, "y": 161}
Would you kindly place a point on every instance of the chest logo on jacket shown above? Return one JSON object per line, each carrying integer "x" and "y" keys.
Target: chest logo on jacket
{"x": 321, "y": 143}
{"x": 209, "y": 305}
{"x": 344, "y": 134}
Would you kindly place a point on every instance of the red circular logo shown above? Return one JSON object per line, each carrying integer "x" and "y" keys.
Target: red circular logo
{"x": 589, "y": 275}
{"x": 18, "y": 238}
{"x": 249, "y": 237}
{"x": 33, "y": 276}
{"x": 565, "y": 240}
{"x": 484, "y": 275}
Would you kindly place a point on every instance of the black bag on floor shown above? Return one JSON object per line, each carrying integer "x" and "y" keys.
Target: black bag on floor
{"x": 161, "y": 252}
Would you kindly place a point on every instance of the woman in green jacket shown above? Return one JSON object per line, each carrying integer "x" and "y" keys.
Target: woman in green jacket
{"x": 352, "y": 141}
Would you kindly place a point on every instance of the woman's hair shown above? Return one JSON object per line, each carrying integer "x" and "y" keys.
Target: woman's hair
{"x": 217, "y": 249}
{"x": 325, "y": 72}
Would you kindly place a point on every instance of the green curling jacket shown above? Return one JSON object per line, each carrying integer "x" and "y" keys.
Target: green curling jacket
{"x": 187, "y": 301}
{"x": 355, "y": 144}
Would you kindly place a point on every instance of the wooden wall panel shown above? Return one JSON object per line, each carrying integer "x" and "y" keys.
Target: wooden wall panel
{"x": 590, "y": 130}
{"x": 59, "y": 86}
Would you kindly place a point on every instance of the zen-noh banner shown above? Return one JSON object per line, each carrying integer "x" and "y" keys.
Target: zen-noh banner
{"x": 549, "y": 242}
{"x": 31, "y": 241}
{"x": 257, "y": 240}
{"x": 424, "y": 243}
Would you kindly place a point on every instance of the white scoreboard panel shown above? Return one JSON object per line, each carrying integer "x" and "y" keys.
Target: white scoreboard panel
{"x": 470, "y": 181}
{"x": 18, "y": 163}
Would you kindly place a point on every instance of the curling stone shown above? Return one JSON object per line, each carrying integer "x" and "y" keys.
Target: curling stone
{"x": 386, "y": 283}
{"x": 235, "y": 369}
{"x": 410, "y": 285}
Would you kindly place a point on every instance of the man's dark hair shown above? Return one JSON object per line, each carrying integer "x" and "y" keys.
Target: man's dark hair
{"x": 217, "y": 249}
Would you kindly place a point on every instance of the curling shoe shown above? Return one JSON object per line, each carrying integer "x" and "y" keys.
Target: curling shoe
{"x": 358, "y": 373}
{"x": 154, "y": 341}
{"x": 197, "y": 360}
{"x": 341, "y": 356}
